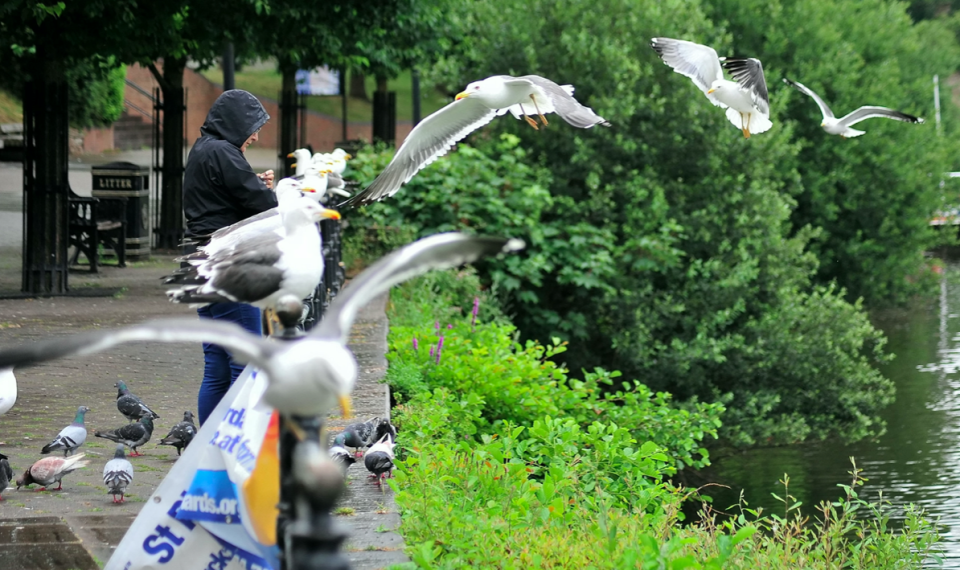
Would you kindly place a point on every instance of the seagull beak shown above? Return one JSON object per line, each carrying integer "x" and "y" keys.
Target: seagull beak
{"x": 291, "y": 155}
{"x": 347, "y": 156}
{"x": 333, "y": 215}
{"x": 294, "y": 165}
{"x": 311, "y": 190}
{"x": 345, "y": 405}
{"x": 711, "y": 91}
{"x": 461, "y": 95}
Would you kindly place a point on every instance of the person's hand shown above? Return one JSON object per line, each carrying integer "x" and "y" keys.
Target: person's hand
{"x": 267, "y": 178}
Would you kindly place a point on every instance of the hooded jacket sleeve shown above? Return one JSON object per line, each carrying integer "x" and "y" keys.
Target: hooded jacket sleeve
{"x": 242, "y": 182}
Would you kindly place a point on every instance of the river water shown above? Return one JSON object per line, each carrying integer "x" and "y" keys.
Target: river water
{"x": 917, "y": 460}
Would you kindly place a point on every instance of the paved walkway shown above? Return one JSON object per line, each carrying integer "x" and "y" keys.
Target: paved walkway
{"x": 79, "y": 526}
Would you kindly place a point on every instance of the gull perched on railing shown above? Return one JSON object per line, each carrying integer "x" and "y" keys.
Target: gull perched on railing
{"x": 841, "y": 126}
{"x": 309, "y": 375}
{"x": 528, "y": 97}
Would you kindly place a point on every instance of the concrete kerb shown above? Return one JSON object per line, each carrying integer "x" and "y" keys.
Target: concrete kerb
{"x": 167, "y": 377}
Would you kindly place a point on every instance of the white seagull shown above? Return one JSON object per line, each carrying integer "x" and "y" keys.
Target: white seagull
{"x": 261, "y": 269}
{"x": 524, "y": 97}
{"x": 8, "y": 390}
{"x": 841, "y": 126}
{"x": 745, "y": 99}
{"x": 307, "y": 376}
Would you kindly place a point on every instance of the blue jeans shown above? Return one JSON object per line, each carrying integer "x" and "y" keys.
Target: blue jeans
{"x": 220, "y": 369}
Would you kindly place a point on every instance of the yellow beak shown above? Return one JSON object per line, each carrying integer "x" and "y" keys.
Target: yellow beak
{"x": 710, "y": 91}
{"x": 335, "y": 215}
{"x": 291, "y": 155}
{"x": 345, "y": 405}
{"x": 347, "y": 156}
{"x": 294, "y": 165}
{"x": 311, "y": 190}
{"x": 461, "y": 95}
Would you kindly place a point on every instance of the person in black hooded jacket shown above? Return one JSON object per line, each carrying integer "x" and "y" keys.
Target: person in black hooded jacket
{"x": 220, "y": 189}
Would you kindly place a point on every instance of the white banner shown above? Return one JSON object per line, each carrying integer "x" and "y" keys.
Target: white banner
{"x": 199, "y": 516}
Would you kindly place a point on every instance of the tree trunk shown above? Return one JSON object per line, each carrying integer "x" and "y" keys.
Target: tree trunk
{"x": 288, "y": 117}
{"x": 46, "y": 186}
{"x": 358, "y": 86}
{"x": 170, "y": 232}
{"x": 381, "y": 84}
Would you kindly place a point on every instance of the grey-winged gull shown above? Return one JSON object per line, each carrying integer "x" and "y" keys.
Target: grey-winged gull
{"x": 745, "y": 99}
{"x": 841, "y": 126}
{"x": 306, "y": 376}
{"x": 524, "y": 97}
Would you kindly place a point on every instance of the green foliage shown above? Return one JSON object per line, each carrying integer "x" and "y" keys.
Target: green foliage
{"x": 582, "y": 493}
{"x": 96, "y": 92}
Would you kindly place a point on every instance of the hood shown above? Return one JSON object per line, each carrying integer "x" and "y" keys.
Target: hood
{"x": 235, "y": 116}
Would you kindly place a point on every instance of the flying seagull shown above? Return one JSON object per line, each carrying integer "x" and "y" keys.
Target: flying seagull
{"x": 745, "y": 99}
{"x": 50, "y": 470}
{"x": 524, "y": 97}
{"x": 131, "y": 406}
{"x": 71, "y": 437}
{"x": 307, "y": 376}
{"x": 841, "y": 126}
{"x": 8, "y": 390}
{"x": 118, "y": 474}
{"x": 262, "y": 269}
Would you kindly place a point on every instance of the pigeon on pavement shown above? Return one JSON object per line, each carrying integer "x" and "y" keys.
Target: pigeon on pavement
{"x": 131, "y": 435}
{"x": 50, "y": 470}
{"x": 117, "y": 474}
{"x": 181, "y": 434}
{"x": 339, "y": 453}
{"x": 360, "y": 435}
{"x": 6, "y": 474}
{"x": 131, "y": 406}
{"x": 71, "y": 437}
{"x": 379, "y": 458}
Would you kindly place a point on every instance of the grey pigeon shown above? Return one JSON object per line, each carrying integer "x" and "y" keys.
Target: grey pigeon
{"x": 131, "y": 435}
{"x": 70, "y": 437}
{"x": 181, "y": 434}
{"x": 131, "y": 406}
{"x": 338, "y": 452}
{"x": 50, "y": 470}
{"x": 360, "y": 435}
{"x": 379, "y": 458}
{"x": 117, "y": 474}
{"x": 384, "y": 427}
{"x": 6, "y": 474}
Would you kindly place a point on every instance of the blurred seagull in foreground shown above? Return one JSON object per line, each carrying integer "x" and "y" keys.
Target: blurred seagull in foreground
{"x": 528, "y": 97}
{"x": 745, "y": 99}
{"x": 309, "y": 375}
{"x": 841, "y": 126}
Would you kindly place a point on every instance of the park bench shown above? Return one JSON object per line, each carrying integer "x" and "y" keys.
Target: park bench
{"x": 95, "y": 222}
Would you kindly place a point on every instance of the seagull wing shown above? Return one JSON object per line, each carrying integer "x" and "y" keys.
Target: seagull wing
{"x": 565, "y": 105}
{"x": 749, "y": 74}
{"x": 698, "y": 62}
{"x": 240, "y": 343}
{"x": 429, "y": 140}
{"x": 244, "y": 224}
{"x": 867, "y": 112}
{"x": 827, "y": 113}
{"x": 439, "y": 251}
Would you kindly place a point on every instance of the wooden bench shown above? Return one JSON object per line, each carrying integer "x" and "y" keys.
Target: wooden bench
{"x": 95, "y": 222}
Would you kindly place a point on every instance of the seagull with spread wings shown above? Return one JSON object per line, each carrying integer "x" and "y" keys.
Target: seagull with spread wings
{"x": 309, "y": 375}
{"x": 745, "y": 98}
{"x": 528, "y": 97}
{"x": 841, "y": 126}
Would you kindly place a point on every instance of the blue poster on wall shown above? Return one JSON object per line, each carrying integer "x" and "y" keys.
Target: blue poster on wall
{"x": 319, "y": 81}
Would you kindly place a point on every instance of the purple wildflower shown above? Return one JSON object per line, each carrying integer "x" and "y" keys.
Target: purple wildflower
{"x": 415, "y": 345}
{"x": 450, "y": 326}
{"x": 439, "y": 349}
{"x": 431, "y": 352}
{"x": 476, "y": 309}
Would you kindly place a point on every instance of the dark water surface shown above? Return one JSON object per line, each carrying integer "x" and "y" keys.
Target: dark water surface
{"x": 918, "y": 459}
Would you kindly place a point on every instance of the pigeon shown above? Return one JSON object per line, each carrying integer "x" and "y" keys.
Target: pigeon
{"x": 307, "y": 376}
{"x": 70, "y": 437}
{"x": 50, "y": 470}
{"x": 379, "y": 458}
{"x": 339, "y": 453}
{"x": 131, "y": 406}
{"x": 8, "y": 390}
{"x": 6, "y": 474}
{"x": 384, "y": 427}
{"x": 360, "y": 435}
{"x": 841, "y": 126}
{"x": 131, "y": 435}
{"x": 181, "y": 434}
{"x": 117, "y": 474}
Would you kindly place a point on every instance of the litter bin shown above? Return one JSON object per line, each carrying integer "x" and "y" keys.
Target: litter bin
{"x": 130, "y": 181}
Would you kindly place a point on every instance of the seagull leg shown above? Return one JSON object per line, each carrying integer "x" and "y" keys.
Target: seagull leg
{"x": 537, "y": 107}
{"x": 527, "y": 118}
{"x": 744, "y": 126}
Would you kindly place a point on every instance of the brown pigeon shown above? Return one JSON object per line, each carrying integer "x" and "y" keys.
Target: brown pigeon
{"x": 50, "y": 470}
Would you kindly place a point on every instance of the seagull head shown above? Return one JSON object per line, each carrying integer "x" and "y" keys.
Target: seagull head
{"x": 490, "y": 86}
{"x": 715, "y": 86}
{"x": 312, "y": 377}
